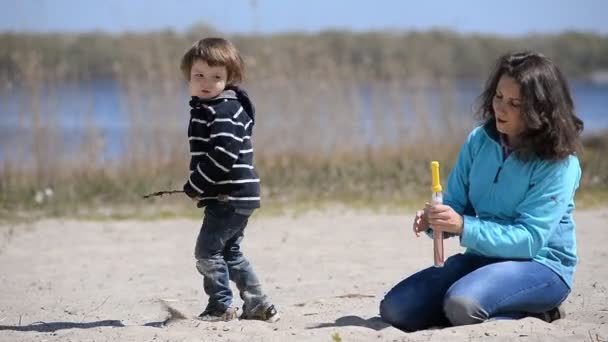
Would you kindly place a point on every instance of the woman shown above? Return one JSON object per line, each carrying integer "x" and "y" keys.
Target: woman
{"x": 510, "y": 199}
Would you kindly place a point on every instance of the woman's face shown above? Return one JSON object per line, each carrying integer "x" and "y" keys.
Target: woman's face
{"x": 507, "y": 107}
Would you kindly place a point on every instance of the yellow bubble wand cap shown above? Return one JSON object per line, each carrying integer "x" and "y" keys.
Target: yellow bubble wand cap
{"x": 436, "y": 185}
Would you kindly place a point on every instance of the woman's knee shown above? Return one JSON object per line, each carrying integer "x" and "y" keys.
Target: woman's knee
{"x": 462, "y": 310}
{"x": 389, "y": 311}
{"x": 397, "y": 313}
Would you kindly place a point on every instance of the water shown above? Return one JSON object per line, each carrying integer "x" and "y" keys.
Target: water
{"x": 76, "y": 107}
{"x": 71, "y": 108}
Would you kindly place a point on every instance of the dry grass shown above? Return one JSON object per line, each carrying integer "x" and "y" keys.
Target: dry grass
{"x": 316, "y": 140}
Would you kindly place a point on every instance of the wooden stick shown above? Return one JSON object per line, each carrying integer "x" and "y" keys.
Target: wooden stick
{"x": 164, "y": 192}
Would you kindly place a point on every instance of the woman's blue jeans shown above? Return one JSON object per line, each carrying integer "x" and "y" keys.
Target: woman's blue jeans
{"x": 471, "y": 289}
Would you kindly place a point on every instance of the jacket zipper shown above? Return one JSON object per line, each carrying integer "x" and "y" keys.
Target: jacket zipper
{"x": 504, "y": 159}
{"x": 497, "y": 174}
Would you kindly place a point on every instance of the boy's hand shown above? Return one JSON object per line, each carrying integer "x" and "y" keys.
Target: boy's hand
{"x": 190, "y": 192}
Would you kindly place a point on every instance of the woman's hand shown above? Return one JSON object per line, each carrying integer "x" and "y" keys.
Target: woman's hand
{"x": 442, "y": 217}
{"x": 420, "y": 222}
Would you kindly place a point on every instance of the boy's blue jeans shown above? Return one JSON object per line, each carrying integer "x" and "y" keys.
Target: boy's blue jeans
{"x": 219, "y": 259}
{"x": 471, "y": 289}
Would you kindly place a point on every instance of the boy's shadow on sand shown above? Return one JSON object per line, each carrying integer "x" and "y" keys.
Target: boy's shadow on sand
{"x": 54, "y": 326}
{"x": 375, "y": 323}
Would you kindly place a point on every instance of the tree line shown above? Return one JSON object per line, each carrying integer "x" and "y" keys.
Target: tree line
{"x": 435, "y": 54}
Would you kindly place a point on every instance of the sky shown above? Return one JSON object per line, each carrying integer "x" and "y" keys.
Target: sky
{"x": 509, "y": 18}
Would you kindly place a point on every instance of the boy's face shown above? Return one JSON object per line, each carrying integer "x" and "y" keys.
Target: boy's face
{"x": 207, "y": 81}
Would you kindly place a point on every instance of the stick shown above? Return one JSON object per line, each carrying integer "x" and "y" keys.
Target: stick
{"x": 437, "y": 198}
{"x": 161, "y": 193}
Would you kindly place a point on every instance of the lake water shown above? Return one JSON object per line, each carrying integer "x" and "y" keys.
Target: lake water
{"x": 101, "y": 104}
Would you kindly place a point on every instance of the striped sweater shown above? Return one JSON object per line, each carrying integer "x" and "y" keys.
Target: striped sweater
{"x": 221, "y": 152}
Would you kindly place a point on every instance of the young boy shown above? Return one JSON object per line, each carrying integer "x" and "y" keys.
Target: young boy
{"x": 222, "y": 178}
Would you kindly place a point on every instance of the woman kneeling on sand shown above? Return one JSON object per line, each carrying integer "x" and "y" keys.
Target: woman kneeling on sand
{"x": 510, "y": 200}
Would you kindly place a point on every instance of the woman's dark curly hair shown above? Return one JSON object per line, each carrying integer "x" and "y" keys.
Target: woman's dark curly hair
{"x": 552, "y": 128}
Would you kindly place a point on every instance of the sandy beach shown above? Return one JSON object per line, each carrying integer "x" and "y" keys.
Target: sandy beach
{"x": 68, "y": 280}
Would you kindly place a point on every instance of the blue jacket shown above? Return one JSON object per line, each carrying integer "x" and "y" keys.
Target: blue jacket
{"x": 513, "y": 209}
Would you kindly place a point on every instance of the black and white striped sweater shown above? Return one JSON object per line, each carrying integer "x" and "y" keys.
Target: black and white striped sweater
{"x": 221, "y": 152}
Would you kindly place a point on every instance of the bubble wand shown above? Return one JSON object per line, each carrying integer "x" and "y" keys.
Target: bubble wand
{"x": 437, "y": 198}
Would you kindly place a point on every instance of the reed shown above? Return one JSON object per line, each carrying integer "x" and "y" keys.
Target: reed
{"x": 317, "y": 138}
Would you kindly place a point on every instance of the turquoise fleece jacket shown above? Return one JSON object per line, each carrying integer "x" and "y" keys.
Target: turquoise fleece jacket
{"x": 512, "y": 209}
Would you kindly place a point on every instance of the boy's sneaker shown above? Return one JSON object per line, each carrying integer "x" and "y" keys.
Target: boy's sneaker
{"x": 269, "y": 314}
{"x": 218, "y": 316}
{"x": 553, "y": 314}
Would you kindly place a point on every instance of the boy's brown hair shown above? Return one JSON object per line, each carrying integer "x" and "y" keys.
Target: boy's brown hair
{"x": 216, "y": 52}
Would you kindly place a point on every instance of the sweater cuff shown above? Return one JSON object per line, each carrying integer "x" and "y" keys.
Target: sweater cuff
{"x": 470, "y": 231}
{"x": 190, "y": 191}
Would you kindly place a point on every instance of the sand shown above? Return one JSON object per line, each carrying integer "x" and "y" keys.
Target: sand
{"x": 68, "y": 280}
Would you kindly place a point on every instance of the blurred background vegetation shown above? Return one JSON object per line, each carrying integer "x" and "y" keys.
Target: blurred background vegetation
{"x": 341, "y": 54}
{"x": 92, "y": 121}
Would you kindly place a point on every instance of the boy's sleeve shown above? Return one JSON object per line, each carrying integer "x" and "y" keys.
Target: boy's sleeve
{"x": 538, "y": 215}
{"x": 227, "y": 132}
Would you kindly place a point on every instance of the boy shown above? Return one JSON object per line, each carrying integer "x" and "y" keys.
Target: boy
{"x": 222, "y": 178}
